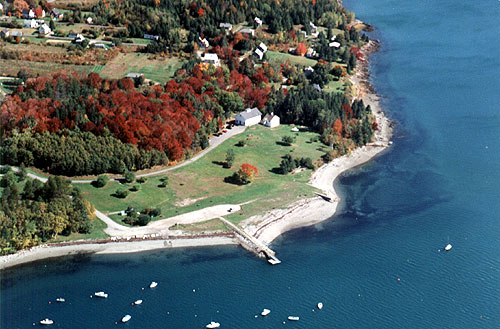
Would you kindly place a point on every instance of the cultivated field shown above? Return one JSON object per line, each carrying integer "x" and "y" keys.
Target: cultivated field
{"x": 11, "y": 67}
{"x": 159, "y": 70}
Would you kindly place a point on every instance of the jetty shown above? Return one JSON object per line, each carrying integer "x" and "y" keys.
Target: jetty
{"x": 252, "y": 244}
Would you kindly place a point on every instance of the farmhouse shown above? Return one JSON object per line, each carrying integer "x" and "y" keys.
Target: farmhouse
{"x": 4, "y": 33}
{"x": 56, "y": 14}
{"x": 270, "y": 120}
{"x": 44, "y": 29}
{"x": 30, "y": 23}
{"x": 249, "y": 117}
{"x": 211, "y": 59}
{"x": 260, "y": 51}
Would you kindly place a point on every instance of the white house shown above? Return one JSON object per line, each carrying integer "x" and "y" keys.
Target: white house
{"x": 334, "y": 44}
{"x": 226, "y": 26}
{"x": 44, "y": 29}
{"x": 211, "y": 59}
{"x": 260, "y": 51}
{"x": 258, "y": 21}
{"x": 314, "y": 28}
{"x": 30, "y": 23}
{"x": 270, "y": 120}
{"x": 249, "y": 117}
{"x": 250, "y": 32}
{"x": 89, "y": 20}
{"x": 151, "y": 37}
{"x": 1, "y": 8}
{"x": 308, "y": 71}
{"x": 203, "y": 43}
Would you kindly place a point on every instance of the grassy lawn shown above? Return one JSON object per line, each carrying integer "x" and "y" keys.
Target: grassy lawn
{"x": 96, "y": 233}
{"x": 334, "y": 86}
{"x": 209, "y": 225}
{"x": 201, "y": 184}
{"x": 276, "y": 57}
{"x": 160, "y": 70}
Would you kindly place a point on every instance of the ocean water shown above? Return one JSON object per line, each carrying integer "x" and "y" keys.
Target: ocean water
{"x": 376, "y": 264}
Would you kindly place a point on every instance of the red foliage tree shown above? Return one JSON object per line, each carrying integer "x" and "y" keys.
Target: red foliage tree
{"x": 301, "y": 49}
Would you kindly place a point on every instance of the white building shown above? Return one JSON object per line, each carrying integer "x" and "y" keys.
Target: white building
{"x": 31, "y": 23}
{"x": 270, "y": 120}
{"x": 226, "y": 26}
{"x": 334, "y": 44}
{"x": 249, "y": 117}
{"x": 211, "y": 59}
{"x": 314, "y": 28}
{"x": 44, "y": 29}
{"x": 260, "y": 51}
{"x": 203, "y": 43}
{"x": 258, "y": 21}
{"x": 250, "y": 32}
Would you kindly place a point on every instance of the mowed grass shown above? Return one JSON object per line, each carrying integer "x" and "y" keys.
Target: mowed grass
{"x": 276, "y": 57}
{"x": 203, "y": 180}
{"x": 159, "y": 70}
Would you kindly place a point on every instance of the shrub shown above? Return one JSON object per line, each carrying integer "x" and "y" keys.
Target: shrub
{"x": 101, "y": 181}
{"x": 287, "y": 140}
{"x": 241, "y": 143}
{"x": 122, "y": 194}
{"x": 141, "y": 180}
{"x": 143, "y": 220}
{"x": 129, "y": 176}
{"x": 135, "y": 188}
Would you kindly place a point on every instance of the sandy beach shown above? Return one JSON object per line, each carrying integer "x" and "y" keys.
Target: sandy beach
{"x": 265, "y": 227}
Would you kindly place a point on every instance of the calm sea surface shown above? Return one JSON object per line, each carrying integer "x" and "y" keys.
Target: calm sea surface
{"x": 439, "y": 73}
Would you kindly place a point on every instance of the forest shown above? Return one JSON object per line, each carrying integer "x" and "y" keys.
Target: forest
{"x": 39, "y": 211}
{"x": 167, "y": 18}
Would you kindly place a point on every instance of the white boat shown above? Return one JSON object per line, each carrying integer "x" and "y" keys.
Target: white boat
{"x": 153, "y": 284}
{"x": 265, "y": 312}
{"x": 60, "y": 300}
{"x": 293, "y": 318}
{"x": 101, "y": 294}
{"x": 126, "y": 318}
{"x": 448, "y": 247}
{"x": 138, "y": 302}
{"x": 213, "y": 324}
{"x": 320, "y": 306}
{"x": 46, "y": 321}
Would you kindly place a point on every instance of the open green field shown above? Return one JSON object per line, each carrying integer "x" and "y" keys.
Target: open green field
{"x": 159, "y": 70}
{"x": 201, "y": 183}
{"x": 334, "y": 86}
{"x": 276, "y": 57}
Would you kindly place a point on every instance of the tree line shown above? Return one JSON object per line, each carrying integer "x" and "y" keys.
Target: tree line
{"x": 39, "y": 212}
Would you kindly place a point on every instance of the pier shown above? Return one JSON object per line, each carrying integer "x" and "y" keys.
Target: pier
{"x": 252, "y": 243}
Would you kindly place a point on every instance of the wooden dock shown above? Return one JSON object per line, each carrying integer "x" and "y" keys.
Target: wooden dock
{"x": 252, "y": 243}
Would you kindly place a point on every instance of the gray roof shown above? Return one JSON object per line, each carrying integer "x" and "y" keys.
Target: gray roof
{"x": 250, "y": 113}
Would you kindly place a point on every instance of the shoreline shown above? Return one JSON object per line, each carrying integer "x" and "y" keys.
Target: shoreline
{"x": 265, "y": 227}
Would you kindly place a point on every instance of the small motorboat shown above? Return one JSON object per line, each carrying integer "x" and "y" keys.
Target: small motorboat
{"x": 320, "y": 305}
{"x": 47, "y": 321}
{"x": 138, "y": 302}
{"x": 293, "y": 318}
{"x": 101, "y": 294}
{"x": 126, "y": 318}
{"x": 153, "y": 284}
{"x": 448, "y": 247}
{"x": 273, "y": 261}
{"x": 60, "y": 300}
{"x": 213, "y": 324}
{"x": 265, "y": 312}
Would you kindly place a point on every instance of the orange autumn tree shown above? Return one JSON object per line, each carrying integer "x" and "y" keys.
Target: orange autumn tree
{"x": 245, "y": 175}
{"x": 301, "y": 49}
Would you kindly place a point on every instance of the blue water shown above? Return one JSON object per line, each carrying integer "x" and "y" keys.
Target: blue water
{"x": 439, "y": 72}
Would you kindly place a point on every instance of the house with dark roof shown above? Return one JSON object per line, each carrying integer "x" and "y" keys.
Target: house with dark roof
{"x": 56, "y": 14}
{"x": 249, "y": 117}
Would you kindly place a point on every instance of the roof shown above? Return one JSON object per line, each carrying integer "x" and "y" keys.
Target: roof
{"x": 210, "y": 56}
{"x": 259, "y": 53}
{"x": 55, "y": 11}
{"x": 263, "y": 47}
{"x": 134, "y": 75}
{"x": 269, "y": 117}
{"x": 250, "y": 113}
{"x": 226, "y": 25}
{"x": 250, "y": 31}
{"x": 334, "y": 44}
